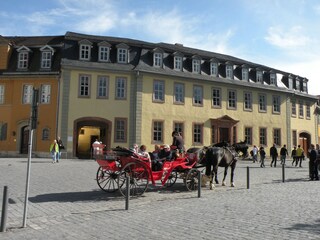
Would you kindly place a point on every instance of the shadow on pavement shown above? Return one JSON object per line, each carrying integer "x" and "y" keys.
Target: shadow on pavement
{"x": 314, "y": 228}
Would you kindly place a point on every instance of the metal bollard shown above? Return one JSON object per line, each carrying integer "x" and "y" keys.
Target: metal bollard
{"x": 3, "y": 225}
{"x": 199, "y": 184}
{"x": 283, "y": 175}
{"x": 128, "y": 191}
{"x": 248, "y": 178}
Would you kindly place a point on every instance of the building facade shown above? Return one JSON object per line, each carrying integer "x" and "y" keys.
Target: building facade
{"x": 124, "y": 91}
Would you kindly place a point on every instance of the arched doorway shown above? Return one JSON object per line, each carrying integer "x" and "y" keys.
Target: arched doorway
{"x": 86, "y": 131}
{"x": 25, "y": 131}
{"x": 304, "y": 141}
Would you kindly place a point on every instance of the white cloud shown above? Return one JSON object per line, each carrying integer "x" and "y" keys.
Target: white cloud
{"x": 287, "y": 39}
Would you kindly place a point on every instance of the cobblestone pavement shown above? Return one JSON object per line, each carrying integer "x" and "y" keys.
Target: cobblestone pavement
{"x": 66, "y": 203}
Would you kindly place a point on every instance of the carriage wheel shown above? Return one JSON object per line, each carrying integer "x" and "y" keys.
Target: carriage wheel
{"x": 138, "y": 174}
{"x": 107, "y": 180}
{"x": 191, "y": 180}
{"x": 171, "y": 179}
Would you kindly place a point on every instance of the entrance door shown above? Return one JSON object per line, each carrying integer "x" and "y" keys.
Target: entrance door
{"x": 24, "y": 140}
{"x": 224, "y": 135}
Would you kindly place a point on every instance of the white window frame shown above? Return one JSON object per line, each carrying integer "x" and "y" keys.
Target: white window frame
{"x": 197, "y": 130}
{"x": 293, "y": 108}
{"x": 158, "y": 91}
{"x": 121, "y": 88}
{"x": 262, "y": 136}
{"x": 27, "y": 94}
{"x": 214, "y": 69}
{"x": 301, "y": 110}
{"x": 103, "y": 87}
{"x": 157, "y": 131}
{"x": 308, "y": 110}
{"x": 84, "y": 86}
{"x": 259, "y": 76}
{"x": 84, "y": 52}
{"x": 245, "y": 74}
{"x": 196, "y": 66}
{"x": 122, "y": 55}
{"x": 2, "y": 91}
{"x": 276, "y": 104}
{"x": 23, "y": 60}
{"x": 178, "y": 63}
{"x": 216, "y": 97}
{"x": 273, "y": 79}
{"x": 157, "y": 59}
{"x": 178, "y": 93}
{"x": 247, "y": 103}
{"x": 104, "y": 53}
{"x": 229, "y": 71}
{"x": 46, "y": 57}
{"x": 45, "y": 96}
{"x": 232, "y": 99}
{"x": 298, "y": 87}
{"x": 290, "y": 83}
{"x": 262, "y": 103}
{"x": 197, "y": 98}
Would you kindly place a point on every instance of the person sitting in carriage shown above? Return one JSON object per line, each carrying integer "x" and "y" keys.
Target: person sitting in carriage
{"x": 164, "y": 154}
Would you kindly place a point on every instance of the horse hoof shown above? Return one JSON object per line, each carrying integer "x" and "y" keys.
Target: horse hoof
{"x": 223, "y": 183}
{"x": 232, "y": 185}
{"x": 212, "y": 186}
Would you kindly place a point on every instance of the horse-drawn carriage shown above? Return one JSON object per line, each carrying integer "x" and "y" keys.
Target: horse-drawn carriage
{"x": 116, "y": 165}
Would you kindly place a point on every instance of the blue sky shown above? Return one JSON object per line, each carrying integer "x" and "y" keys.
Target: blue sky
{"x": 282, "y": 34}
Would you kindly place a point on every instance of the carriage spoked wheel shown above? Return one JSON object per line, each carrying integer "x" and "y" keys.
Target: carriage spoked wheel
{"x": 138, "y": 174}
{"x": 191, "y": 179}
{"x": 171, "y": 179}
{"x": 107, "y": 180}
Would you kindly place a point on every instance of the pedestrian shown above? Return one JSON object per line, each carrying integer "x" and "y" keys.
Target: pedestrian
{"x": 255, "y": 154}
{"x": 60, "y": 144}
{"x": 54, "y": 150}
{"x": 317, "y": 163}
{"x": 294, "y": 155}
{"x": 283, "y": 154}
{"x": 313, "y": 168}
{"x": 300, "y": 156}
{"x": 273, "y": 155}
{"x": 262, "y": 156}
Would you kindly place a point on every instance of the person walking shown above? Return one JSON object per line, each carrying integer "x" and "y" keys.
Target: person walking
{"x": 294, "y": 155}
{"x": 273, "y": 155}
{"x": 60, "y": 144}
{"x": 54, "y": 150}
{"x": 300, "y": 156}
{"x": 312, "y": 163}
{"x": 262, "y": 156}
{"x": 283, "y": 154}
{"x": 255, "y": 154}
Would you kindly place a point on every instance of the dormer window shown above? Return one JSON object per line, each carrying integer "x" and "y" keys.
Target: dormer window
{"x": 245, "y": 74}
{"x": 305, "y": 87}
{"x": 85, "y": 50}
{"x": 122, "y": 53}
{"x": 178, "y": 61}
{"x": 104, "y": 52}
{"x": 23, "y": 57}
{"x": 259, "y": 76}
{"x": 229, "y": 71}
{"x": 298, "y": 85}
{"x": 290, "y": 82}
{"x": 46, "y": 57}
{"x": 273, "y": 79}
{"x": 213, "y": 68}
{"x": 196, "y": 65}
{"x": 157, "y": 58}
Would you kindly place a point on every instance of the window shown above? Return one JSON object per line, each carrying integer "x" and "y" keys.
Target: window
{"x": 232, "y": 99}
{"x": 247, "y": 101}
{"x": 245, "y": 74}
{"x": 158, "y": 91}
{"x": 157, "y": 133}
{"x": 84, "y": 86}
{"x": 3, "y": 131}
{"x": 216, "y": 97}
{"x": 248, "y": 135}
{"x": 197, "y": 134}
{"x": 229, "y": 71}
{"x": 45, "y": 94}
{"x": 294, "y": 137}
{"x": 1, "y": 94}
{"x": 301, "y": 109}
{"x": 263, "y": 136}
{"x": 121, "y": 88}
{"x": 27, "y": 94}
{"x": 23, "y": 58}
{"x": 46, "y": 59}
{"x": 276, "y": 104}
{"x": 277, "y": 136}
{"x": 308, "y": 113}
{"x": 305, "y": 87}
{"x": 104, "y": 53}
{"x": 259, "y": 76}
{"x": 197, "y": 95}
{"x": 157, "y": 59}
{"x": 120, "y": 130}
{"x": 214, "y": 69}
{"x": 196, "y": 63}
{"x": 45, "y": 134}
{"x": 262, "y": 103}
{"x": 290, "y": 80}
{"x": 273, "y": 79}
{"x": 122, "y": 55}
{"x": 103, "y": 87}
{"x": 298, "y": 85}
{"x": 85, "y": 52}
{"x": 178, "y": 63}
{"x": 293, "y": 107}
{"x": 178, "y": 126}
{"x": 178, "y": 93}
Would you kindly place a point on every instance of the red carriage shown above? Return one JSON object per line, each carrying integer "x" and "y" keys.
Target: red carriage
{"x": 116, "y": 165}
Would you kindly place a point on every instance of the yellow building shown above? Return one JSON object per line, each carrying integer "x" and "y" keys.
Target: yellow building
{"x": 123, "y": 91}
{"x": 27, "y": 63}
